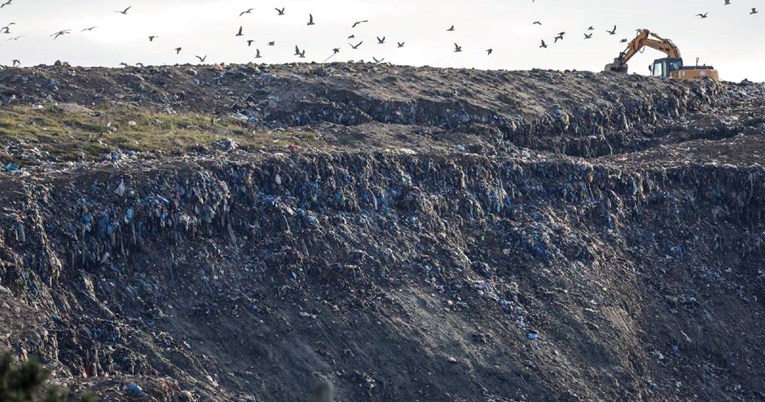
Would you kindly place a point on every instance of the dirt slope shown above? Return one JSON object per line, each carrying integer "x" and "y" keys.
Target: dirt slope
{"x": 462, "y": 236}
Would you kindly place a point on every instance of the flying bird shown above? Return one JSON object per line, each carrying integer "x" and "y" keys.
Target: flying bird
{"x": 178, "y": 50}
{"x": 299, "y": 53}
{"x": 247, "y": 11}
{"x": 559, "y": 37}
{"x": 702, "y": 16}
{"x": 489, "y": 51}
{"x": 754, "y": 11}
{"x": 280, "y": 11}
{"x": 613, "y": 31}
{"x": 201, "y": 59}
{"x": 88, "y": 29}
{"x": 124, "y": 12}
{"x": 240, "y": 32}
{"x": 451, "y": 29}
{"x": 352, "y": 36}
{"x": 257, "y": 54}
{"x": 249, "y": 42}
{"x": 543, "y": 45}
{"x": 310, "y": 20}
{"x": 380, "y": 40}
{"x": 16, "y": 62}
{"x": 457, "y": 48}
{"x": 401, "y": 44}
{"x": 152, "y": 37}
{"x": 7, "y": 3}
{"x": 378, "y": 61}
{"x": 727, "y": 3}
{"x": 356, "y": 46}
{"x": 55, "y": 35}
{"x": 357, "y": 23}
{"x": 591, "y": 28}
{"x": 15, "y": 38}
{"x": 587, "y": 36}
{"x": 272, "y": 43}
{"x": 624, "y": 40}
{"x": 536, "y": 23}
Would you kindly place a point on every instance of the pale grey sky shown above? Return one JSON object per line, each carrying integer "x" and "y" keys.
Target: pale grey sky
{"x": 730, "y": 39}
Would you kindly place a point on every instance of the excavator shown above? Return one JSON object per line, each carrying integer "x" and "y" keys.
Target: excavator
{"x": 670, "y": 67}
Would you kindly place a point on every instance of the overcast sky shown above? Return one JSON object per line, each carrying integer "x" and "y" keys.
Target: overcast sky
{"x": 730, "y": 39}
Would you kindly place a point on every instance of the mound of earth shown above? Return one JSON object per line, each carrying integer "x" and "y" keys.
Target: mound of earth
{"x": 447, "y": 235}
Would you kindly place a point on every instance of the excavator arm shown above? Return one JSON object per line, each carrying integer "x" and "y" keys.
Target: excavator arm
{"x": 644, "y": 39}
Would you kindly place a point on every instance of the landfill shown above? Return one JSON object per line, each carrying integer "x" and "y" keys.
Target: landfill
{"x": 459, "y": 235}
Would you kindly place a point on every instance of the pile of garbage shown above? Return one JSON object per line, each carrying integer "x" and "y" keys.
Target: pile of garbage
{"x": 505, "y": 270}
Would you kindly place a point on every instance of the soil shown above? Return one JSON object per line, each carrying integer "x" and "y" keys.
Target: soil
{"x": 464, "y": 236}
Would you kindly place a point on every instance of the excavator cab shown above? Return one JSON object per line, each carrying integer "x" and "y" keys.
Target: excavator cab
{"x": 672, "y": 67}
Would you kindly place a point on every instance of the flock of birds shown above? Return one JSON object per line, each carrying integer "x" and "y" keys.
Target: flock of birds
{"x": 353, "y": 43}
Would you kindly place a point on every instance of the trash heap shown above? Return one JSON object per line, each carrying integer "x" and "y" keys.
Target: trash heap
{"x": 532, "y": 266}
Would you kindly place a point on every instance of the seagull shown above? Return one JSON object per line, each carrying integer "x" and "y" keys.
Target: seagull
{"x": 451, "y": 29}
{"x": 489, "y": 52}
{"x": 559, "y": 37}
{"x": 249, "y": 42}
{"x": 240, "y": 32}
{"x": 612, "y": 32}
{"x": 727, "y": 3}
{"x": 16, "y": 62}
{"x": 247, "y": 11}
{"x": 378, "y": 61}
{"x": 587, "y": 36}
{"x": 702, "y": 15}
{"x": 352, "y": 36}
{"x": 591, "y": 28}
{"x": 401, "y": 44}
{"x": 178, "y": 50}
{"x": 272, "y": 43}
{"x": 457, "y": 48}
{"x": 7, "y": 3}
{"x": 357, "y": 23}
{"x": 55, "y": 35}
{"x": 124, "y": 12}
{"x": 536, "y": 23}
{"x": 152, "y": 37}
{"x": 281, "y": 12}
{"x": 257, "y": 54}
{"x": 356, "y": 46}
{"x": 15, "y": 38}
{"x": 88, "y": 29}
{"x": 380, "y": 41}
{"x": 201, "y": 59}
{"x": 624, "y": 40}
{"x": 299, "y": 53}
{"x": 310, "y": 20}
{"x": 754, "y": 11}
{"x": 543, "y": 45}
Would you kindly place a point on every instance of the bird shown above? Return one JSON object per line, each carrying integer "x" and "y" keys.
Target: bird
{"x": 352, "y": 36}
{"x": 357, "y": 23}
{"x": 152, "y": 37}
{"x": 702, "y": 16}
{"x": 451, "y": 29}
{"x": 754, "y": 11}
{"x": 401, "y": 44}
{"x": 257, "y": 54}
{"x": 457, "y": 48}
{"x": 380, "y": 40}
{"x": 15, "y": 38}
{"x": 559, "y": 37}
{"x": 201, "y": 59}
{"x": 336, "y": 50}
{"x": 124, "y": 12}
{"x": 55, "y": 35}
{"x": 178, "y": 50}
{"x": 16, "y": 62}
{"x": 378, "y": 61}
{"x": 272, "y": 43}
{"x": 587, "y": 36}
{"x": 613, "y": 31}
{"x": 543, "y": 45}
{"x": 249, "y": 42}
{"x": 88, "y": 29}
{"x": 7, "y": 3}
{"x": 240, "y": 32}
{"x": 299, "y": 53}
{"x": 624, "y": 40}
{"x": 356, "y": 46}
{"x": 247, "y": 11}
{"x": 727, "y": 3}
{"x": 280, "y": 11}
{"x": 489, "y": 52}
{"x": 310, "y": 20}
{"x": 536, "y": 23}
{"x": 591, "y": 28}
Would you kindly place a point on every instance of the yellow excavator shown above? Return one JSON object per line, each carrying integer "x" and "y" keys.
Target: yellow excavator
{"x": 670, "y": 66}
